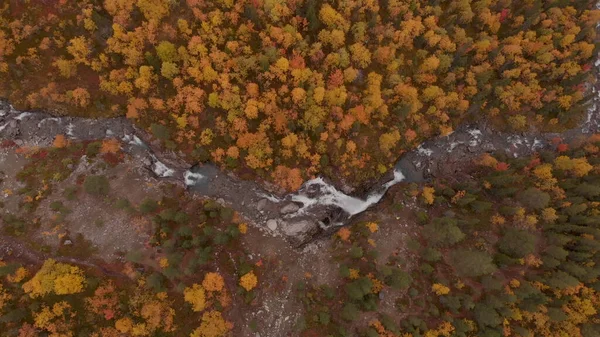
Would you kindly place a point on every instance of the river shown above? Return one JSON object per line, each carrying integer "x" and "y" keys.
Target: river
{"x": 318, "y": 206}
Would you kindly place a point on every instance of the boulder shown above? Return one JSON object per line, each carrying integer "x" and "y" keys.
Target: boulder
{"x": 272, "y": 224}
{"x": 292, "y": 207}
{"x": 261, "y": 204}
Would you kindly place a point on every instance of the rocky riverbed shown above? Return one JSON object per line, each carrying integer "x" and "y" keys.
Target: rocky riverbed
{"x": 318, "y": 207}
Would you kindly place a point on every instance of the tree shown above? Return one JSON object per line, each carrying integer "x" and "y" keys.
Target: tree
{"x": 81, "y": 97}
{"x": 249, "y": 281}
{"x": 110, "y": 145}
{"x": 472, "y": 263}
{"x": 55, "y": 278}
{"x": 213, "y": 325}
{"x": 517, "y": 243}
{"x": 166, "y": 51}
{"x": 60, "y": 141}
{"x": 533, "y": 198}
{"x": 213, "y": 282}
{"x": 196, "y": 296}
{"x": 443, "y": 232}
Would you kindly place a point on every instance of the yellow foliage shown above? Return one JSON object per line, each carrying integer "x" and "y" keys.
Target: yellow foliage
{"x": 20, "y": 274}
{"x": 497, "y": 219}
{"x": 249, "y": 281}
{"x": 354, "y": 274}
{"x": 213, "y": 282}
{"x": 57, "y": 278}
{"x": 196, "y": 296}
{"x": 578, "y": 166}
{"x": 243, "y": 228}
{"x": 428, "y": 195}
{"x": 373, "y": 227}
{"x": 213, "y": 325}
{"x": 110, "y": 145}
{"x": 440, "y": 289}
{"x": 549, "y": 215}
{"x": 124, "y": 325}
{"x": 163, "y": 262}
{"x": 60, "y": 141}
{"x": 344, "y": 233}
{"x": 4, "y": 297}
{"x": 487, "y": 160}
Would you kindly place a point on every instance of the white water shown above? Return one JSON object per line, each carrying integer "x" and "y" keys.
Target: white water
{"x": 423, "y": 151}
{"x": 52, "y": 119}
{"x": 329, "y": 195}
{"x": 22, "y": 115}
{"x": 190, "y": 178}
{"x": 132, "y": 140}
{"x": 70, "y": 129}
{"x": 162, "y": 170}
{"x": 270, "y": 197}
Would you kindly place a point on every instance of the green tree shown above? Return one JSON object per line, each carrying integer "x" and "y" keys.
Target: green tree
{"x": 472, "y": 263}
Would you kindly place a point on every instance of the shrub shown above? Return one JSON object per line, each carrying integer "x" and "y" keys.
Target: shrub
{"x": 96, "y": 185}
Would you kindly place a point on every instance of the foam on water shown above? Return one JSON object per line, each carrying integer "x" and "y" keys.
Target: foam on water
{"x": 162, "y": 170}
{"x": 190, "y": 178}
{"x": 270, "y": 197}
{"x": 423, "y": 151}
{"x": 52, "y": 119}
{"x": 70, "y": 129}
{"x": 331, "y": 196}
{"x": 22, "y": 115}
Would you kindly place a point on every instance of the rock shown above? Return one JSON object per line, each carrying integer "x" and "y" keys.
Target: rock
{"x": 261, "y": 204}
{"x": 221, "y": 201}
{"x": 300, "y": 228}
{"x": 272, "y": 224}
{"x": 68, "y": 242}
{"x": 147, "y": 161}
{"x": 292, "y": 207}
{"x": 19, "y": 142}
{"x": 381, "y": 295}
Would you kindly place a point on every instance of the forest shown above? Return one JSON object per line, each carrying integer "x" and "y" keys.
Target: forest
{"x": 282, "y": 91}
{"x": 291, "y": 89}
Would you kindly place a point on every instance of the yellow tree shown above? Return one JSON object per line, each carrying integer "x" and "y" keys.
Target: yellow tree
{"x": 55, "y": 278}
{"x": 196, "y": 296}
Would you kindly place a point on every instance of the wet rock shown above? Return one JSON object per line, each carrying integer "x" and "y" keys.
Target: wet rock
{"x": 292, "y": 207}
{"x": 261, "y": 204}
{"x": 272, "y": 224}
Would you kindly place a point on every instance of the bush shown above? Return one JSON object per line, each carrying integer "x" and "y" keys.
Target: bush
{"x": 148, "y": 206}
{"x": 93, "y": 149}
{"x": 96, "y": 185}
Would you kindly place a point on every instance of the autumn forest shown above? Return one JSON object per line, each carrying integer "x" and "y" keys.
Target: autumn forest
{"x": 279, "y": 92}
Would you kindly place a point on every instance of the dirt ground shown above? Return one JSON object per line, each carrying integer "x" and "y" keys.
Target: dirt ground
{"x": 110, "y": 231}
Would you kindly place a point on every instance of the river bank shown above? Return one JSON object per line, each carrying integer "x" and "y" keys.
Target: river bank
{"x": 318, "y": 207}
